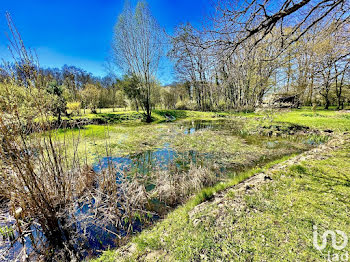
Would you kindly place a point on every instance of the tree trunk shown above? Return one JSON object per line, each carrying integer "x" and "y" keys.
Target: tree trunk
{"x": 148, "y": 113}
{"x": 59, "y": 117}
{"x": 327, "y": 103}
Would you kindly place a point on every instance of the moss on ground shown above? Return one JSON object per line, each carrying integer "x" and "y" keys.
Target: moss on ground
{"x": 96, "y": 141}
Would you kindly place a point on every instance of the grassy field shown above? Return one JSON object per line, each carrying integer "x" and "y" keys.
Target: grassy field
{"x": 321, "y": 119}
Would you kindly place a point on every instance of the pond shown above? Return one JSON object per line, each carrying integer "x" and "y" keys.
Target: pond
{"x": 219, "y": 145}
{"x": 162, "y": 157}
{"x": 172, "y": 156}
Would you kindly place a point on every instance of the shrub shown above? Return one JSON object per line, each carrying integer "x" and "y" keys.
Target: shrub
{"x": 246, "y": 109}
{"x": 222, "y": 105}
{"x": 74, "y": 107}
{"x": 298, "y": 169}
{"x": 181, "y": 105}
{"x": 191, "y": 105}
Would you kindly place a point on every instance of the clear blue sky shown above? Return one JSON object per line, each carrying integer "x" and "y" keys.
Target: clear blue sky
{"x": 79, "y": 32}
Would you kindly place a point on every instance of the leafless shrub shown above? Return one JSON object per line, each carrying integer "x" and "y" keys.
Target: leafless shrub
{"x": 51, "y": 197}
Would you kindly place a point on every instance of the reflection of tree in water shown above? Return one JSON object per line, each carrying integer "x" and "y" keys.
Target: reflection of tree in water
{"x": 163, "y": 159}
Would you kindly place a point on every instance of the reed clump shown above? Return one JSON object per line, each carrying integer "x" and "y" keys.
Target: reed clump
{"x": 50, "y": 200}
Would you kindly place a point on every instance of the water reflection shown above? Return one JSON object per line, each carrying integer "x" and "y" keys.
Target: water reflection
{"x": 150, "y": 160}
{"x": 160, "y": 158}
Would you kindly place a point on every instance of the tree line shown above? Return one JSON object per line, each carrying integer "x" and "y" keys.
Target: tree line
{"x": 244, "y": 56}
{"x": 241, "y": 58}
{"x": 247, "y": 52}
{"x": 72, "y": 90}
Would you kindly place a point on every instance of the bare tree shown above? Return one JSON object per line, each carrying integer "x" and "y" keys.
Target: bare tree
{"x": 194, "y": 64}
{"x": 220, "y": 81}
{"x": 236, "y": 22}
{"x": 138, "y": 46}
{"x": 249, "y": 46}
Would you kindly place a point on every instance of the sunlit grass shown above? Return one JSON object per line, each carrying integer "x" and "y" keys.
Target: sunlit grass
{"x": 320, "y": 119}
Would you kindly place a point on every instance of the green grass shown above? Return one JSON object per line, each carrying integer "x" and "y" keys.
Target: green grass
{"x": 322, "y": 119}
{"x": 276, "y": 223}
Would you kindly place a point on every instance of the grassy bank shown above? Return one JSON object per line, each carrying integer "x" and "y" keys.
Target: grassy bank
{"x": 320, "y": 119}
{"x": 272, "y": 223}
